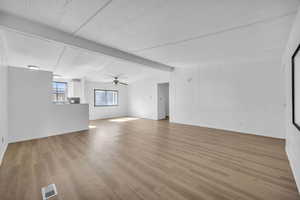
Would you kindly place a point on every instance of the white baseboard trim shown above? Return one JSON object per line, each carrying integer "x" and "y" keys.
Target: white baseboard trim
{"x": 225, "y": 129}
{"x": 46, "y": 136}
{"x": 107, "y": 117}
{"x": 290, "y": 158}
{"x": 2, "y": 153}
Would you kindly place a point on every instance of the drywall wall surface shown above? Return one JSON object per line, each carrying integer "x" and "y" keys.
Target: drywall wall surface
{"x": 3, "y": 100}
{"x": 32, "y": 113}
{"x": 244, "y": 97}
{"x": 78, "y": 89}
{"x": 29, "y": 104}
{"x": 292, "y": 134}
{"x": 106, "y": 111}
{"x": 143, "y": 97}
{"x": 68, "y": 118}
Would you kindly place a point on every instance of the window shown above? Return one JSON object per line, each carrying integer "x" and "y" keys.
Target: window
{"x": 295, "y": 88}
{"x": 105, "y": 97}
{"x": 60, "y": 90}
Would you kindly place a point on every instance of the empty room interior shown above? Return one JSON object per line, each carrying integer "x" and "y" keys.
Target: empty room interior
{"x": 149, "y": 100}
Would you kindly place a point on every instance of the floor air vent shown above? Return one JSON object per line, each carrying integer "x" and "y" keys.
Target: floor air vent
{"x": 49, "y": 191}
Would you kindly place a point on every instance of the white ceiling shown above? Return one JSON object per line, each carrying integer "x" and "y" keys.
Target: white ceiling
{"x": 175, "y": 32}
{"x": 23, "y": 50}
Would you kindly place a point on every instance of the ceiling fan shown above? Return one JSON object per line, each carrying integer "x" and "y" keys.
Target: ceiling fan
{"x": 116, "y": 79}
{"x": 117, "y": 82}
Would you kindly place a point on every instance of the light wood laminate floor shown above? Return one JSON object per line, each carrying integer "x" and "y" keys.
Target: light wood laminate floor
{"x": 146, "y": 159}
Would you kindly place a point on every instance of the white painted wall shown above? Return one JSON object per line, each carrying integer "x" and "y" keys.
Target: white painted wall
{"x": 3, "y": 100}
{"x": 67, "y": 118}
{"x": 31, "y": 111}
{"x": 106, "y": 111}
{"x": 78, "y": 89}
{"x": 143, "y": 96}
{"x": 245, "y": 97}
{"x": 29, "y": 103}
{"x": 292, "y": 134}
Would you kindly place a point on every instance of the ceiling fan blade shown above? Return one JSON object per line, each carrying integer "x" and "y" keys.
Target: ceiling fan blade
{"x": 123, "y": 83}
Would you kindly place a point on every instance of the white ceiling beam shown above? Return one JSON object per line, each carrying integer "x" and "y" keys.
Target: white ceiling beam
{"x": 15, "y": 23}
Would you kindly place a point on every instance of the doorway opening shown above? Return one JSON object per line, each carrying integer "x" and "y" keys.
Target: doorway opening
{"x": 163, "y": 101}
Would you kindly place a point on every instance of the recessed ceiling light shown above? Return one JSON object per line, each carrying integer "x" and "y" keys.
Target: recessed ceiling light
{"x": 32, "y": 67}
{"x": 56, "y": 76}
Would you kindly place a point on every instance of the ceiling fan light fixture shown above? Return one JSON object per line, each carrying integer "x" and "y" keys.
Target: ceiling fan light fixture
{"x": 115, "y": 82}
